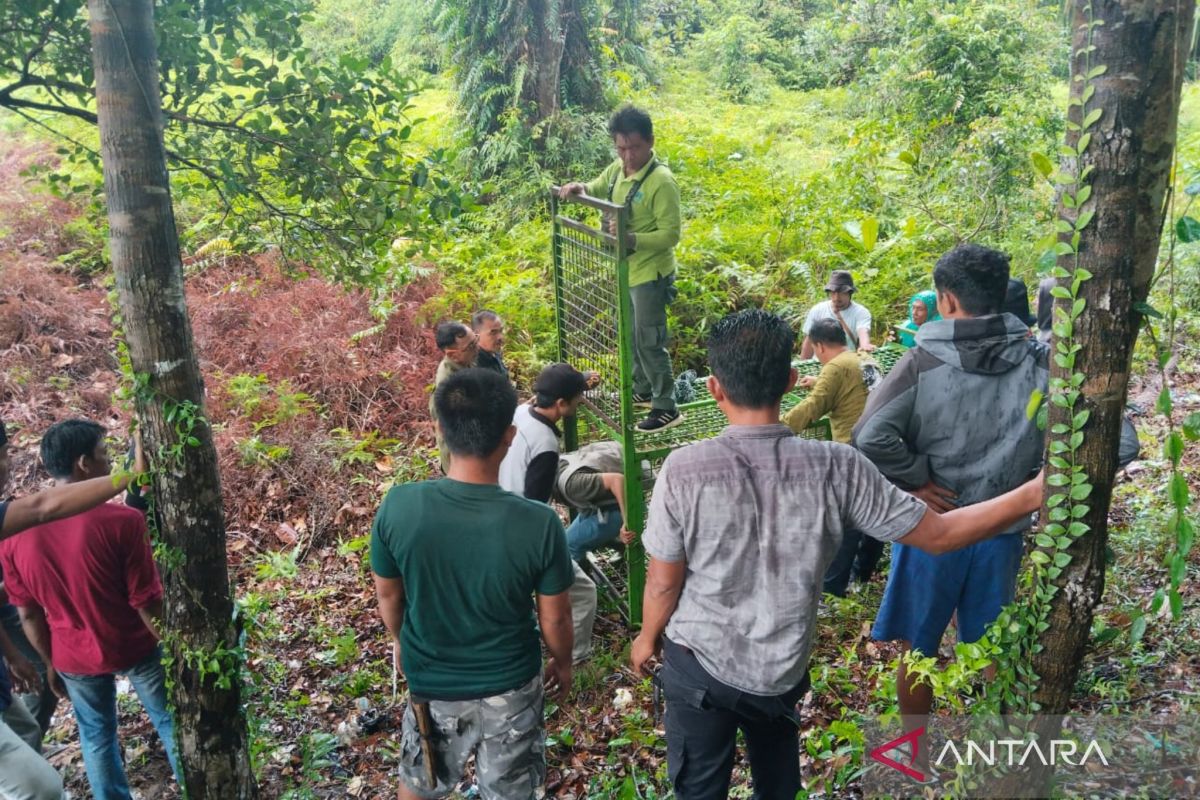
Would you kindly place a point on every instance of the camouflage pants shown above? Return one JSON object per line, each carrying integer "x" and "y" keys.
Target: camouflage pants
{"x": 505, "y": 731}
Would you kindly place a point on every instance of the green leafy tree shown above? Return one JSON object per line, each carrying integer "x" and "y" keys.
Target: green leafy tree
{"x": 310, "y": 156}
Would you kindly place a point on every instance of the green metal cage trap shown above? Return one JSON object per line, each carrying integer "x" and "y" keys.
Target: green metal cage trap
{"x": 594, "y": 320}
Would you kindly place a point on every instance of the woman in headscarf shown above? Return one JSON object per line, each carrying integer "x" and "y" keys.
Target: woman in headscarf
{"x": 922, "y": 308}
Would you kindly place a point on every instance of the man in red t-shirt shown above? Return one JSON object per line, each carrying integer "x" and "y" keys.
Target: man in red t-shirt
{"x": 90, "y": 599}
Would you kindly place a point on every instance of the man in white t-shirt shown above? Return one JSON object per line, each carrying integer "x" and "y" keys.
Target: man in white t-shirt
{"x": 531, "y": 465}
{"x": 854, "y": 318}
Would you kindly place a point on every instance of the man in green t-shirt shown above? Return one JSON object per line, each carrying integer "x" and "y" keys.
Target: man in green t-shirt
{"x": 647, "y": 189}
{"x": 457, "y": 564}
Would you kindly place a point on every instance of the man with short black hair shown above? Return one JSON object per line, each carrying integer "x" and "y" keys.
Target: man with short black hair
{"x": 838, "y": 391}
{"x": 647, "y": 189}
{"x": 949, "y": 424}
{"x": 741, "y": 529}
{"x": 490, "y": 329}
{"x": 854, "y": 319}
{"x": 90, "y": 599}
{"x": 457, "y": 563}
{"x": 531, "y": 466}
{"x": 460, "y": 347}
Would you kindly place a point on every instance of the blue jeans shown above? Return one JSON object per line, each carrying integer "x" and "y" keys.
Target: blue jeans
{"x": 94, "y": 698}
{"x": 592, "y": 529}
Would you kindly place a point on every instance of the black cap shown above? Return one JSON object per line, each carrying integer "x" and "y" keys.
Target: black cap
{"x": 840, "y": 281}
{"x": 1016, "y": 301}
{"x": 560, "y": 382}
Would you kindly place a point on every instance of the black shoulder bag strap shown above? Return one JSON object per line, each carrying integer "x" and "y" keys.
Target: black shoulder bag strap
{"x": 636, "y": 185}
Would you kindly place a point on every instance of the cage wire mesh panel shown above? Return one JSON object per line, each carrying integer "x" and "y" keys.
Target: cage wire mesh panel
{"x": 589, "y": 283}
{"x": 589, "y": 309}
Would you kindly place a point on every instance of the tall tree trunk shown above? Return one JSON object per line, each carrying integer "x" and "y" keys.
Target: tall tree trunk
{"x": 544, "y": 43}
{"x": 1144, "y": 46}
{"x": 202, "y": 633}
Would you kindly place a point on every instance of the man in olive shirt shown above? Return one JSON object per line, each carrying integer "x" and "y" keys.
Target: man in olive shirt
{"x": 460, "y": 347}
{"x": 647, "y": 189}
{"x": 840, "y": 392}
{"x": 457, "y": 563}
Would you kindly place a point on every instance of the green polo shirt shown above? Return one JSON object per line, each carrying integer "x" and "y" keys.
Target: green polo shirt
{"x": 471, "y": 557}
{"x": 653, "y": 216}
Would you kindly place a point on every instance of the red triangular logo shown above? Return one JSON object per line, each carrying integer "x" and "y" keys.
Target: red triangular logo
{"x": 913, "y": 739}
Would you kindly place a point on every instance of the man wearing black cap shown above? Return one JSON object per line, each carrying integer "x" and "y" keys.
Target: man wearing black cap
{"x": 854, "y": 318}
{"x": 531, "y": 467}
{"x": 1016, "y": 301}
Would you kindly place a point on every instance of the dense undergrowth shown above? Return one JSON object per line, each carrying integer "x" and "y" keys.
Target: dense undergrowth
{"x": 854, "y": 140}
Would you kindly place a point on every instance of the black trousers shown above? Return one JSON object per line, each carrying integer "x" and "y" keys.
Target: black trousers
{"x": 703, "y": 718}
{"x": 858, "y": 555}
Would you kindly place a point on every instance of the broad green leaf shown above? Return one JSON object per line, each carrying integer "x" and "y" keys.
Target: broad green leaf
{"x": 1177, "y": 569}
{"x": 1188, "y": 229}
{"x": 1164, "y": 405}
{"x": 1191, "y": 426}
{"x": 1138, "y": 629}
{"x": 1173, "y": 447}
{"x": 870, "y": 233}
{"x": 1035, "y": 402}
{"x": 1145, "y": 309}
{"x": 1185, "y": 535}
{"x": 1177, "y": 490}
{"x": 1041, "y": 163}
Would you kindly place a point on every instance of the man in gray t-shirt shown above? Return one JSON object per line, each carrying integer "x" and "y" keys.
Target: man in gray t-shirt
{"x": 741, "y": 529}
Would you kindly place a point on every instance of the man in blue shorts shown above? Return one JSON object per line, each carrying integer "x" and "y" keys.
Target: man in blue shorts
{"x": 949, "y": 425}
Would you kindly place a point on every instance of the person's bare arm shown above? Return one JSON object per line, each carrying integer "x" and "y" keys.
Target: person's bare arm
{"x": 943, "y": 533}
{"x": 33, "y": 622}
{"x": 24, "y": 675}
{"x": 864, "y": 340}
{"x": 389, "y": 592}
{"x": 806, "y": 349}
{"x": 151, "y": 616}
{"x": 554, "y": 620}
{"x": 58, "y": 502}
{"x": 614, "y": 482}
{"x": 664, "y": 583}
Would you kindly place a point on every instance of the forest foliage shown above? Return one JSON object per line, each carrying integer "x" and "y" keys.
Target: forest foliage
{"x": 393, "y": 146}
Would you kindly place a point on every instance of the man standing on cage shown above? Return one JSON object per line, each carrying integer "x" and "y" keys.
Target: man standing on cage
{"x": 647, "y": 189}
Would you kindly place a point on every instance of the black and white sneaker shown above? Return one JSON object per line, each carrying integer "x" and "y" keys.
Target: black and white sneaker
{"x": 659, "y": 419}
{"x": 641, "y": 400}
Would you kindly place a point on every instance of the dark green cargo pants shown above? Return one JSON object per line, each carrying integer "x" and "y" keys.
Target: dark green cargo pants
{"x": 652, "y": 373}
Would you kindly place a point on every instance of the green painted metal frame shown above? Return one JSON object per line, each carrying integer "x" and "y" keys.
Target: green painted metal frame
{"x": 618, "y": 264}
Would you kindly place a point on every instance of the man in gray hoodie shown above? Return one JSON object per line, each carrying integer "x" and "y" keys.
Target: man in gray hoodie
{"x": 949, "y": 424}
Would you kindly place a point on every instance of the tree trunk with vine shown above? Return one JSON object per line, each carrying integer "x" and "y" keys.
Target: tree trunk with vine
{"x": 1143, "y": 47}
{"x": 202, "y": 635}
